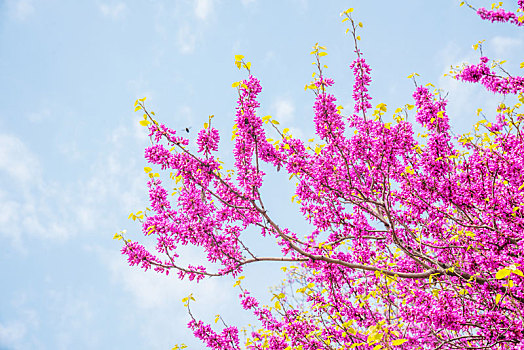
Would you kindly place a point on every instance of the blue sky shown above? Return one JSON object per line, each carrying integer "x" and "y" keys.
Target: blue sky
{"x": 71, "y": 148}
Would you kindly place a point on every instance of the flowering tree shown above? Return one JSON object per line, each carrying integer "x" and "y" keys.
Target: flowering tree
{"x": 417, "y": 241}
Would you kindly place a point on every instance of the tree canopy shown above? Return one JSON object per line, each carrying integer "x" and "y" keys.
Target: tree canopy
{"x": 417, "y": 240}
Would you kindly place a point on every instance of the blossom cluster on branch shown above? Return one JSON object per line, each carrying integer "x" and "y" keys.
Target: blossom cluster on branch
{"x": 417, "y": 241}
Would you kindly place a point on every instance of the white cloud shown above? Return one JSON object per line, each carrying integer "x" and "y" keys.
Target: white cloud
{"x": 42, "y": 115}
{"x": 113, "y": 11}
{"x": 17, "y": 161}
{"x": 20, "y": 9}
{"x": 42, "y": 208}
{"x": 12, "y": 334}
{"x": 186, "y": 39}
{"x": 284, "y": 110}
{"x": 505, "y": 46}
{"x": 203, "y": 8}
{"x": 269, "y": 56}
{"x": 157, "y": 298}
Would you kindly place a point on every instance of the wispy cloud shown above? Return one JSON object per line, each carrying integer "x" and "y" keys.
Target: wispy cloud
{"x": 12, "y": 334}
{"x": 186, "y": 39}
{"x": 17, "y": 161}
{"x": 203, "y": 8}
{"x": 505, "y": 46}
{"x": 113, "y": 11}
{"x": 20, "y": 9}
{"x": 37, "y": 206}
{"x": 284, "y": 110}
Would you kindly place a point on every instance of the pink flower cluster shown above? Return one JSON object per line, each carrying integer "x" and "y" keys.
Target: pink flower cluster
{"x": 500, "y": 15}
{"x": 227, "y": 340}
{"x": 361, "y": 71}
{"x": 208, "y": 140}
{"x": 482, "y": 74}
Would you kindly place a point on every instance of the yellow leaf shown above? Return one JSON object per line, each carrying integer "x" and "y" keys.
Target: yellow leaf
{"x": 144, "y": 122}
{"x": 217, "y": 317}
{"x": 497, "y": 298}
{"x": 360, "y": 24}
{"x": 518, "y": 272}
{"x": 147, "y": 169}
{"x": 142, "y": 99}
{"x": 387, "y": 125}
{"x": 322, "y": 54}
{"x": 521, "y": 187}
{"x": 238, "y": 57}
{"x": 285, "y": 130}
{"x": 358, "y": 37}
{"x": 138, "y": 108}
{"x": 503, "y": 273}
{"x": 235, "y": 84}
{"x": 248, "y": 65}
{"x": 275, "y": 122}
{"x": 398, "y": 342}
